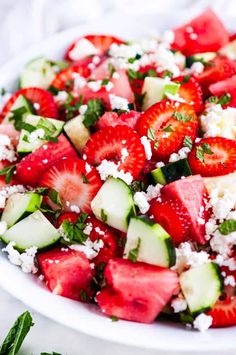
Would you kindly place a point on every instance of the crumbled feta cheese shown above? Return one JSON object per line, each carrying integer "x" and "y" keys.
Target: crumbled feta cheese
{"x": 88, "y": 168}
{"x": 36, "y": 106}
{"x": 89, "y": 248}
{"x": 230, "y": 280}
{"x": 75, "y": 209}
{"x": 96, "y": 59}
{"x": 8, "y": 191}
{"x": 79, "y": 81}
{"x": 153, "y": 191}
{"x": 160, "y": 164}
{"x": 168, "y": 36}
{"x": 24, "y": 260}
{"x": 61, "y": 97}
{"x": 186, "y": 257}
{"x": 83, "y": 109}
{"x": 99, "y": 231}
{"x": 88, "y": 229}
{"x": 95, "y": 85}
{"x": 118, "y": 103}
{"x": 197, "y": 68}
{"x": 202, "y": 322}
{"x": 115, "y": 75}
{"x": 3, "y": 227}
{"x": 124, "y": 154}
{"x": 109, "y": 168}
{"x": 140, "y": 200}
{"x": 109, "y": 86}
{"x": 147, "y": 147}
{"x": 182, "y": 154}
{"x": 7, "y": 151}
{"x": 179, "y": 304}
{"x": 83, "y": 48}
{"x": 34, "y": 136}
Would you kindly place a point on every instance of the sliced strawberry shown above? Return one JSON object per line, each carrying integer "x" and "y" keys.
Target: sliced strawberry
{"x": 113, "y": 119}
{"x": 173, "y": 216}
{"x": 160, "y": 116}
{"x": 191, "y": 92}
{"x": 67, "y": 216}
{"x": 101, "y": 42}
{"x": 219, "y": 68}
{"x": 227, "y": 86}
{"x": 30, "y": 169}
{"x": 136, "y": 291}
{"x": 108, "y": 144}
{"x": 67, "y": 273}
{"x": 64, "y": 80}
{"x": 192, "y": 194}
{"x": 45, "y": 99}
{"x": 205, "y": 33}
{"x": 100, "y": 231}
{"x": 220, "y": 161}
{"x": 74, "y": 184}
{"x": 224, "y": 313}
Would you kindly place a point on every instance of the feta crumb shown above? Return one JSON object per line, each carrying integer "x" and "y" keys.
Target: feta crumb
{"x": 230, "y": 280}
{"x": 3, "y": 227}
{"x": 61, "y": 97}
{"x": 36, "y": 106}
{"x": 7, "y": 151}
{"x": 147, "y": 147}
{"x": 109, "y": 168}
{"x": 88, "y": 168}
{"x": 83, "y": 109}
{"x": 182, "y": 154}
{"x": 24, "y": 260}
{"x": 197, "y": 68}
{"x": 160, "y": 164}
{"x": 179, "y": 304}
{"x": 140, "y": 200}
{"x": 83, "y": 48}
{"x": 115, "y": 75}
{"x": 36, "y": 135}
{"x": 99, "y": 231}
{"x": 79, "y": 81}
{"x": 88, "y": 229}
{"x": 75, "y": 209}
{"x": 187, "y": 258}
{"x": 124, "y": 154}
{"x": 89, "y": 248}
{"x": 8, "y": 191}
{"x": 202, "y": 322}
{"x": 95, "y": 85}
{"x": 118, "y": 103}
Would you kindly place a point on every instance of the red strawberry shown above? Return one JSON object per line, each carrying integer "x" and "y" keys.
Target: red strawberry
{"x": 67, "y": 273}
{"x": 108, "y": 144}
{"x": 220, "y": 68}
{"x": 219, "y": 159}
{"x": 102, "y": 231}
{"x": 173, "y": 216}
{"x": 32, "y": 166}
{"x": 227, "y": 86}
{"x": 136, "y": 291}
{"x": 191, "y": 92}
{"x": 101, "y": 42}
{"x": 192, "y": 194}
{"x": 67, "y": 216}
{"x": 75, "y": 185}
{"x": 45, "y": 99}
{"x": 224, "y": 313}
{"x": 64, "y": 80}
{"x": 113, "y": 119}
{"x": 160, "y": 116}
{"x": 205, "y": 33}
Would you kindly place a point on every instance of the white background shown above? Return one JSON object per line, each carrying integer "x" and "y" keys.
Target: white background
{"x": 24, "y": 22}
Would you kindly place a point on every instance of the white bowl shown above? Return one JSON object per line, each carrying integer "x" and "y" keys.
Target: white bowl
{"x": 88, "y": 318}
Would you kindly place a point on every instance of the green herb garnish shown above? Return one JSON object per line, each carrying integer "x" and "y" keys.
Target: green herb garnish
{"x": 8, "y": 172}
{"x": 103, "y": 216}
{"x": 95, "y": 110}
{"x": 201, "y": 150}
{"x": 74, "y": 231}
{"x": 182, "y": 117}
{"x": 188, "y": 142}
{"x": 133, "y": 253}
{"x": 227, "y": 226}
{"x": 222, "y": 100}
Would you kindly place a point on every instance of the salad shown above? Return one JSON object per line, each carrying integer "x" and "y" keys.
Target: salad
{"x": 118, "y": 174}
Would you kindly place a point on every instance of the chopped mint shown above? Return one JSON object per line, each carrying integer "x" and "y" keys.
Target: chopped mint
{"x": 83, "y": 295}
{"x": 152, "y": 137}
{"x": 114, "y": 319}
{"x": 8, "y": 172}
{"x": 95, "y": 110}
{"x": 201, "y": 150}
{"x": 188, "y": 142}
{"x": 55, "y": 198}
{"x": 168, "y": 129}
{"x": 227, "y": 226}
{"x": 103, "y": 216}
{"x": 133, "y": 253}
{"x": 74, "y": 231}
{"x": 222, "y": 100}
{"x": 105, "y": 82}
{"x": 182, "y": 117}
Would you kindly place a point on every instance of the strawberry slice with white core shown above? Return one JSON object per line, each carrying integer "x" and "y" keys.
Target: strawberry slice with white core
{"x": 120, "y": 145}
{"x": 192, "y": 194}
{"x": 136, "y": 291}
{"x": 30, "y": 169}
{"x": 76, "y": 184}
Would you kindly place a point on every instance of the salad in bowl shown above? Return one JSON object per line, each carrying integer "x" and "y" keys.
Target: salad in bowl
{"x": 118, "y": 174}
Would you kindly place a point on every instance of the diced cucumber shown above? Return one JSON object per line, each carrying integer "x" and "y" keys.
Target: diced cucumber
{"x": 156, "y": 246}
{"x": 77, "y": 132}
{"x": 21, "y": 102}
{"x": 201, "y": 287}
{"x": 34, "y": 230}
{"x": 39, "y": 72}
{"x": 171, "y": 172}
{"x": 199, "y": 57}
{"x": 19, "y": 205}
{"x": 155, "y": 90}
{"x": 114, "y": 204}
{"x": 50, "y": 126}
{"x": 229, "y": 50}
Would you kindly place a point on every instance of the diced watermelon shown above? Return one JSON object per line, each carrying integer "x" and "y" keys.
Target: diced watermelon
{"x": 191, "y": 191}
{"x": 32, "y": 166}
{"x": 67, "y": 273}
{"x": 205, "y": 33}
{"x": 227, "y": 86}
{"x": 113, "y": 119}
{"x": 136, "y": 291}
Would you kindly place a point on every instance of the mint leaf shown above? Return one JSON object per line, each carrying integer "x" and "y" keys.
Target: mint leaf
{"x": 8, "y": 172}
{"x": 15, "y": 337}
{"x": 83, "y": 295}
{"x": 152, "y": 137}
{"x": 133, "y": 253}
{"x": 168, "y": 129}
{"x": 201, "y": 150}
{"x": 103, "y": 216}
{"x": 188, "y": 142}
{"x": 222, "y": 100}
{"x": 182, "y": 117}
{"x": 55, "y": 198}
{"x": 74, "y": 231}
{"x": 227, "y": 227}
{"x": 94, "y": 111}
{"x": 114, "y": 318}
